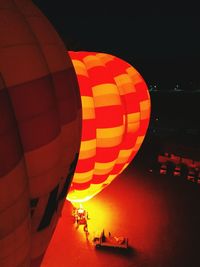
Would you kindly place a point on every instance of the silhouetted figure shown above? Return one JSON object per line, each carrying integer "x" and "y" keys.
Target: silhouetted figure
{"x": 103, "y": 236}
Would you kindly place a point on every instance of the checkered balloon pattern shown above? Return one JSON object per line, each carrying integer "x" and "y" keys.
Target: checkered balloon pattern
{"x": 115, "y": 116}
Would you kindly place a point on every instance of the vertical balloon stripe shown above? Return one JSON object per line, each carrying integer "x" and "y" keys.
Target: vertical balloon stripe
{"x": 14, "y": 201}
{"x": 122, "y": 110}
{"x": 11, "y": 150}
{"x": 84, "y": 171}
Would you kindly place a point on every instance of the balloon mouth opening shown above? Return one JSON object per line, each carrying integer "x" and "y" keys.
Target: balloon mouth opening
{"x": 74, "y": 199}
{"x": 76, "y": 196}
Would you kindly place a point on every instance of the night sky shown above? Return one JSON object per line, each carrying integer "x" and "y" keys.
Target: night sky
{"x": 161, "y": 42}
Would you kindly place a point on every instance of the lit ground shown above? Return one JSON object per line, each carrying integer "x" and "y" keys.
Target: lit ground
{"x": 159, "y": 215}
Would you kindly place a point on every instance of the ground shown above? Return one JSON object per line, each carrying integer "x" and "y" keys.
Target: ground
{"x": 159, "y": 214}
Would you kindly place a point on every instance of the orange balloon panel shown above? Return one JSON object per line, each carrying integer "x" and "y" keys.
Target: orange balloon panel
{"x": 39, "y": 136}
{"x": 116, "y": 112}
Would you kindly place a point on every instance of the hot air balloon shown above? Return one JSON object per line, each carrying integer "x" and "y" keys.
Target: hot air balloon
{"x": 116, "y": 112}
{"x": 40, "y": 126}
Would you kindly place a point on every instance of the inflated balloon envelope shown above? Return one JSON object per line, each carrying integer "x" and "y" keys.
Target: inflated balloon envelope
{"x": 40, "y": 126}
{"x": 116, "y": 112}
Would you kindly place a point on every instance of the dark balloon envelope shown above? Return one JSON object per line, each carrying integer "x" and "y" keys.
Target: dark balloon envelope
{"x": 116, "y": 112}
{"x": 40, "y": 125}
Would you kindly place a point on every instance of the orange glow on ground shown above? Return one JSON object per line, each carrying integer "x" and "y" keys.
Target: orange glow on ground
{"x": 159, "y": 215}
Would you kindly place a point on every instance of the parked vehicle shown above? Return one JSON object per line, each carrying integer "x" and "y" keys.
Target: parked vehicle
{"x": 110, "y": 241}
{"x": 163, "y": 168}
{"x": 191, "y": 175}
{"x": 177, "y": 171}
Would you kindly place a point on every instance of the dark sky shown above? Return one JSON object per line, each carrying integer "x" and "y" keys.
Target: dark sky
{"x": 162, "y": 42}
